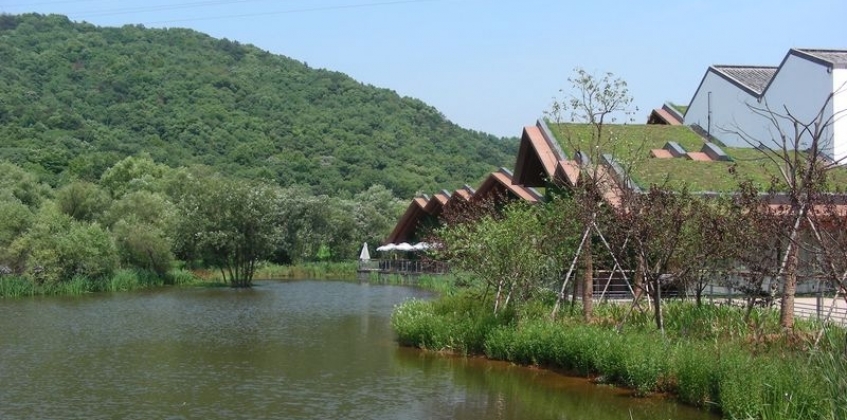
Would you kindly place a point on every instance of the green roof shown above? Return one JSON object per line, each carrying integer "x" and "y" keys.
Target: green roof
{"x": 631, "y": 144}
{"x": 680, "y": 108}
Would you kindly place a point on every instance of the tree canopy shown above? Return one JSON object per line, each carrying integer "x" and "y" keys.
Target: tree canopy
{"x": 78, "y": 98}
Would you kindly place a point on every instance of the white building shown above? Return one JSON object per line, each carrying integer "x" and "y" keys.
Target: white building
{"x": 725, "y": 102}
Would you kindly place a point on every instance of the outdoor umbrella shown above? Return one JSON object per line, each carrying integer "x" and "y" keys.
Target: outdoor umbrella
{"x": 365, "y": 255}
{"x": 405, "y": 246}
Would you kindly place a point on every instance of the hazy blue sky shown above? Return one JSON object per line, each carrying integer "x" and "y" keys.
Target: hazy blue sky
{"x": 495, "y": 66}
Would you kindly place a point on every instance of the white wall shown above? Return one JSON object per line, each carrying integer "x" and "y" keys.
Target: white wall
{"x": 802, "y": 87}
{"x": 730, "y": 108}
{"x": 799, "y": 85}
{"x": 839, "y": 101}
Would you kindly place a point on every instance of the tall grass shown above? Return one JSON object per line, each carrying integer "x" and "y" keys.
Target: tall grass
{"x": 314, "y": 270}
{"x": 444, "y": 284}
{"x": 832, "y": 364}
{"x": 15, "y": 286}
{"x": 454, "y": 323}
{"x": 709, "y": 357}
{"x": 121, "y": 281}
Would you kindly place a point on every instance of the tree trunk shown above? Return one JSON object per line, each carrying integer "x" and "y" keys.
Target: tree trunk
{"x": 786, "y": 310}
{"x": 639, "y": 280}
{"x": 498, "y": 296}
{"x": 587, "y": 282}
{"x": 657, "y": 306}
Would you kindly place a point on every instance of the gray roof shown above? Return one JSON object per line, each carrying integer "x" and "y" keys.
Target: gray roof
{"x": 835, "y": 57}
{"x": 754, "y": 78}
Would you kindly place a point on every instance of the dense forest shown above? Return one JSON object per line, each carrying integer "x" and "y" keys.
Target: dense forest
{"x": 150, "y": 150}
{"x": 76, "y": 98}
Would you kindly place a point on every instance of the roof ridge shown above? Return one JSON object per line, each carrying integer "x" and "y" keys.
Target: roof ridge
{"x": 836, "y": 50}
{"x": 743, "y": 66}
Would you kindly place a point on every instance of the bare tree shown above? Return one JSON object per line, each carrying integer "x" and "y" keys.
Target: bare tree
{"x": 797, "y": 154}
{"x": 657, "y": 225}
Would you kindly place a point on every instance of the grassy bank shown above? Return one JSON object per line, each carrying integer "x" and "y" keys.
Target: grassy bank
{"x": 708, "y": 357}
{"x": 122, "y": 281}
{"x": 443, "y": 284}
{"x": 315, "y": 270}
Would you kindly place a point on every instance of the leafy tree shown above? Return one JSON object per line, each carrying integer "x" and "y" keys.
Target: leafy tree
{"x": 15, "y": 220}
{"x": 57, "y": 248}
{"x": 234, "y": 226}
{"x": 22, "y": 185}
{"x": 135, "y": 173}
{"x": 143, "y": 245}
{"x": 375, "y": 211}
{"x": 82, "y": 200}
{"x": 656, "y": 224}
{"x": 511, "y": 254}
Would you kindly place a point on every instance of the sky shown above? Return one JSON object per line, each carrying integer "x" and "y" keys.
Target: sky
{"x": 495, "y": 66}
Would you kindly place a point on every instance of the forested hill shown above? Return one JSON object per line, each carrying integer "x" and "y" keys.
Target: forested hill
{"x": 76, "y": 98}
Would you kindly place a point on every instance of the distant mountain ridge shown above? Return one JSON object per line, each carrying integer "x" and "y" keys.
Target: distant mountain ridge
{"x": 76, "y": 98}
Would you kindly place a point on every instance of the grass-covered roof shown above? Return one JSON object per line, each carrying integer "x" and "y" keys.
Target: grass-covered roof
{"x": 630, "y": 145}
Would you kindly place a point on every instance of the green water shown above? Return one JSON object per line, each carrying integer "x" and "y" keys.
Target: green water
{"x": 283, "y": 350}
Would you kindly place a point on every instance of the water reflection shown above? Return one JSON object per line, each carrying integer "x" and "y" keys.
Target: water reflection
{"x": 299, "y": 350}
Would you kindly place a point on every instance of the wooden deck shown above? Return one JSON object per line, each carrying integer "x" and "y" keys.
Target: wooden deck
{"x": 403, "y": 267}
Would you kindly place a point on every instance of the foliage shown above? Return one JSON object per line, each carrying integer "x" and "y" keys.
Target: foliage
{"x": 701, "y": 363}
{"x": 312, "y": 270}
{"x": 233, "y": 223}
{"x": 511, "y": 254}
{"x": 82, "y": 200}
{"x": 593, "y": 100}
{"x": 454, "y": 323}
{"x": 79, "y": 98}
{"x": 57, "y": 248}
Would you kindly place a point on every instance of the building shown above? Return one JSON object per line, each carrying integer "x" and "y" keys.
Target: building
{"x": 732, "y": 102}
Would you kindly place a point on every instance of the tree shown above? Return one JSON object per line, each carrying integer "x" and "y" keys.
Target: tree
{"x": 233, "y": 224}
{"x": 712, "y": 242}
{"x": 133, "y": 173}
{"x": 58, "y": 248}
{"x": 22, "y": 185}
{"x": 511, "y": 253}
{"x": 797, "y": 153}
{"x": 83, "y": 201}
{"x": 656, "y": 224}
{"x": 143, "y": 245}
{"x": 595, "y": 101}
{"x": 759, "y": 234}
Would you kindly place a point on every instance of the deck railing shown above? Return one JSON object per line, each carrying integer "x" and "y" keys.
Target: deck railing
{"x": 396, "y": 266}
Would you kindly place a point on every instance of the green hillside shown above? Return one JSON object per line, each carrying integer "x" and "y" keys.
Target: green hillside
{"x": 76, "y": 98}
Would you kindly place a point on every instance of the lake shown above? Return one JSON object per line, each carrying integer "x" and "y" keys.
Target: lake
{"x": 282, "y": 350}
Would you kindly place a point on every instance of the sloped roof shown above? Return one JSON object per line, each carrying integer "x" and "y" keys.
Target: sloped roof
{"x": 537, "y": 157}
{"x": 437, "y": 202}
{"x": 409, "y": 221}
{"x": 424, "y": 209}
{"x": 836, "y": 58}
{"x": 751, "y": 78}
{"x": 662, "y": 116}
{"x": 501, "y": 182}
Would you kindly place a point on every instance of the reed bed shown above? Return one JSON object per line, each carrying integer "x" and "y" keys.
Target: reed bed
{"x": 315, "y": 271}
{"x": 121, "y": 281}
{"x": 708, "y": 357}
